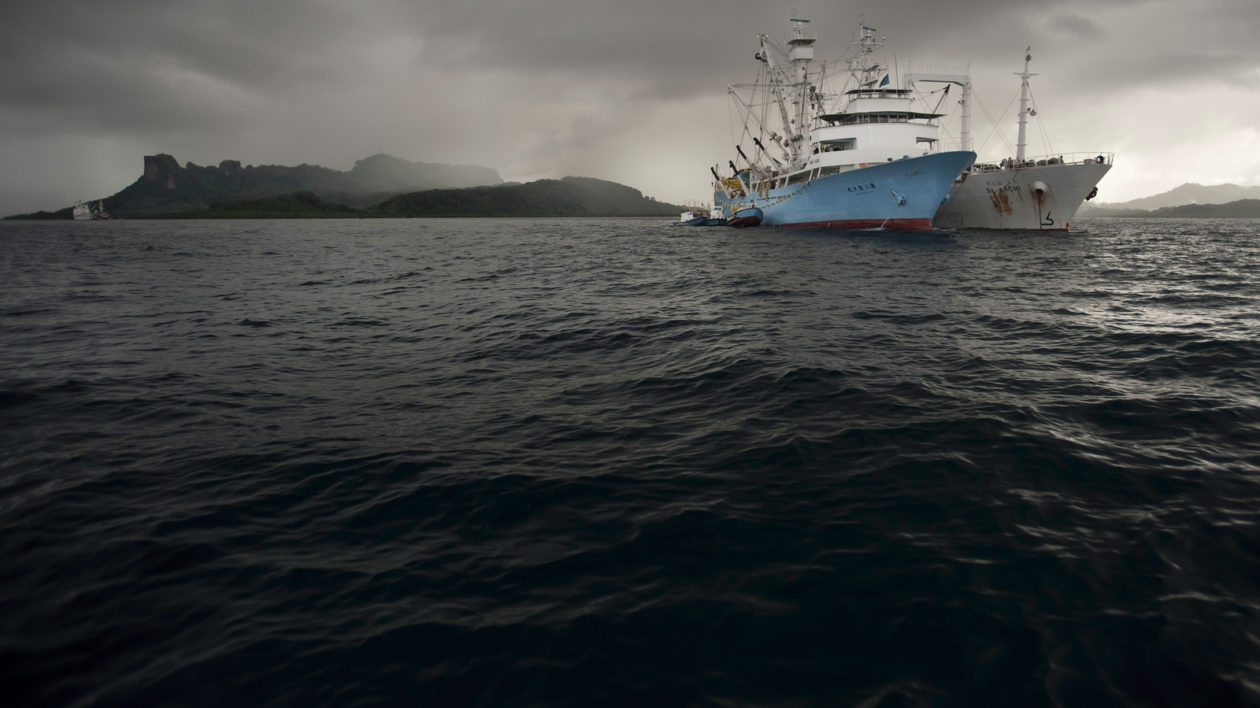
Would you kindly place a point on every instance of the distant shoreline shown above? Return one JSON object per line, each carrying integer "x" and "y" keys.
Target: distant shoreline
{"x": 200, "y": 216}
{"x": 379, "y": 186}
{"x": 1240, "y": 209}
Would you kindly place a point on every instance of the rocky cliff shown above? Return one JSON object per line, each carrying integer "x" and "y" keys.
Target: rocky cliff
{"x": 163, "y": 170}
{"x": 165, "y": 186}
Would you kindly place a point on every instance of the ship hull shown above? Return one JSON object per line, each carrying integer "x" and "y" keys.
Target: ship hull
{"x": 902, "y": 195}
{"x": 1035, "y": 197}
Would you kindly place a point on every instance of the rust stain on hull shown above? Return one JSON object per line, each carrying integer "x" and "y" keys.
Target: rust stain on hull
{"x": 1001, "y": 201}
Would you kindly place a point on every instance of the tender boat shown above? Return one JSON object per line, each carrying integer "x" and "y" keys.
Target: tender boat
{"x": 748, "y": 216}
{"x": 694, "y": 217}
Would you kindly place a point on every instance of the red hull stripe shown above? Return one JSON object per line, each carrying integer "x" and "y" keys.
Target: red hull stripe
{"x": 893, "y": 224}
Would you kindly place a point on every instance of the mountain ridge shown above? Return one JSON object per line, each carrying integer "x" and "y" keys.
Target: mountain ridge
{"x": 377, "y": 186}
{"x": 166, "y": 187}
{"x": 1238, "y": 209}
{"x": 1181, "y": 195}
{"x": 566, "y": 197}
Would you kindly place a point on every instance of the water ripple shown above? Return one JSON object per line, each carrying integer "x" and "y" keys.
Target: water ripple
{"x": 578, "y": 461}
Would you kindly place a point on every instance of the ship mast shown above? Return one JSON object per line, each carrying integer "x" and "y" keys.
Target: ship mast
{"x": 965, "y": 118}
{"x": 1022, "y": 141}
{"x": 801, "y": 53}
{"x": 863, "y": 67}
{"x": 766, "y": 54}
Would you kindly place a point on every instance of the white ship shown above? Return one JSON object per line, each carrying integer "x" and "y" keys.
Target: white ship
{"x": 89, "y": 212}
{"x": 1021, "y": 193}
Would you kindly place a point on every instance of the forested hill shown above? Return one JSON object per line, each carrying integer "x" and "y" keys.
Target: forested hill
{"x": 1184, "y": 195}
{"x": 168, "y": 187}
{"x": 165, "y": 186}
{"x": 1241, "y": 209}
{"x": 570, "y": 196}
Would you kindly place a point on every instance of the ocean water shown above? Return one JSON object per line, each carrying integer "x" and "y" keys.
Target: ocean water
{"x": 591, "y": 462}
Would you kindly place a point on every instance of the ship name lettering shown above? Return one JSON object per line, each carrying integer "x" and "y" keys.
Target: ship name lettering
{"x": 1004, "y": 188}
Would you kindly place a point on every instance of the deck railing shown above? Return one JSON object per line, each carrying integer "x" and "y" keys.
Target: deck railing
{"x": 1072, "y": 158}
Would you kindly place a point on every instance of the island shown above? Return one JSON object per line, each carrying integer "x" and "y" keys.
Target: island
{"x": 380, "y": 186}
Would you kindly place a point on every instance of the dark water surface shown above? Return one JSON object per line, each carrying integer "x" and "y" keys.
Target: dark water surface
{"x": 569, "y": 462}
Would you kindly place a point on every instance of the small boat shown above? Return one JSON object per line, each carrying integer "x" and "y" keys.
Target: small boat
{"x": 748, "y": 216}
{"x": 689, "y": 218}
{"x": 694, "y": 217}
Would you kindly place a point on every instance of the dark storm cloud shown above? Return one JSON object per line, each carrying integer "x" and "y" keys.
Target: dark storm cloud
{"x": 524, "y": 84}
{"x": 689, "y": 46}
{"x": 255, "y": 43}
{"x": 144, "y": 65}
{"x": 1073, "y": 25}
{"x": 186, "y": 64}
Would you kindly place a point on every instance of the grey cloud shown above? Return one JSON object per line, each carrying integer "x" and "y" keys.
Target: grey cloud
{"x": 658, "y": 49}
{"x": 1079, "y": 26}
{"x": 529, "y": 80}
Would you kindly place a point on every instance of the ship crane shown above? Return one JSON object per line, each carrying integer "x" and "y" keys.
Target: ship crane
{"x": 799, "y": 54}
{"x": 950, "y": 77}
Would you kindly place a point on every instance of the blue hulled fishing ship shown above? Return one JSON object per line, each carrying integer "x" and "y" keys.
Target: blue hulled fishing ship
{"x": 871, "y": 163}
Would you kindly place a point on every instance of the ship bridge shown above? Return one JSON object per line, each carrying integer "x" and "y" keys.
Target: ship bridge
{"x": 847, "y": 118}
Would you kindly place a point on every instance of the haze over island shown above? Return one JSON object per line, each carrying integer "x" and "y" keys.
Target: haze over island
{"x": 633, "y": 93}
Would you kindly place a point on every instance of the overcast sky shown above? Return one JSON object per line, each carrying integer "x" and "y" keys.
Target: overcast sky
{"x": 632, "y": 91}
